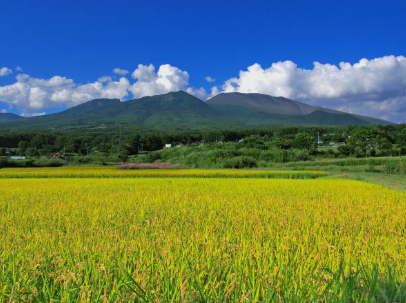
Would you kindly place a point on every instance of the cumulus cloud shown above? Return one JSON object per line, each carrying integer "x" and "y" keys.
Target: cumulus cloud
{"x": 4, "y": 71}
{"x": 104, "y": 79}
{"x": 3, "y": 111}
{"x": 29, "y": 94}
{"x": 209, "y": 79}
{"x": 32, "y": 94}
{"x": 168, "y": 78}
{"x": 374, "y": 87}
{"x": 121, "y": 72}
{"x": 197, "y": 92}
{"x": 19, "y": 69}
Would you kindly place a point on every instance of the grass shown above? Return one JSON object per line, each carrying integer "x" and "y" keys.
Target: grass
{"x": 201, "y": 240}
{"x": 397, "y": 182}
{"x": 383, "y": 170}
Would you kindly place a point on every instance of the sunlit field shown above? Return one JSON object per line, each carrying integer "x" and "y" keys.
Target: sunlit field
{"x": 112, "y": 172}
{"x": 199, "y": 240}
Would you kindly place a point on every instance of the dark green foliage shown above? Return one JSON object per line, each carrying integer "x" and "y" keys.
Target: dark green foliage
{"x": 205, "y": 148}
{"x": 22, "y": 146}
{"x": 240, "y": 162}
{"x": 6, "y": 162}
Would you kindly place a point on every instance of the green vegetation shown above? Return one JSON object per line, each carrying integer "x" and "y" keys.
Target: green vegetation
{"x": 181, "y": 111}
{"x": 213, "y": 149}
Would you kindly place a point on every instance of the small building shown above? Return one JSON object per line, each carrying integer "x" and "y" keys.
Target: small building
{"x": 168, "y": 146}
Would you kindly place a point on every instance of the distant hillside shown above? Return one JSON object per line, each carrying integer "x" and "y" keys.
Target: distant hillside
{"x": 238, "y": 103}
{"x": 264, "y": 107}
{"x": 177, "y": 110}
{"x": 88, "y": 107}
{"x": 181, "y": 111}
{"x": 8, "y": 117}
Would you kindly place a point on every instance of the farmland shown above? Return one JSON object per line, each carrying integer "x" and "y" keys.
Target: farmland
{"x": 112, "y": 172}
{"x": 78, "y": 236}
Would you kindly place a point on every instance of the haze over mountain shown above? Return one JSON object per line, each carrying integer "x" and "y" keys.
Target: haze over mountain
{"x": 267, "y": 109}
{"x": 239, "y": 103}
{"x": 7, "y": 117}
{"x": 180, "y": 110}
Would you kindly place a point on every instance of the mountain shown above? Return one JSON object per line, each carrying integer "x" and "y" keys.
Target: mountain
{"x": 9, "y": 117}
{"x": 181, "y": 111}
{"x": 88, "y": 107}
{"x": 176, "y": 110}
{"x": 263, "y": 109}
{"x": 239, "y": 103}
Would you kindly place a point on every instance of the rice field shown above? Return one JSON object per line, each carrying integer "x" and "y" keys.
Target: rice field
{"x": 192, "y": 239}
{"x": 112, "y": 172}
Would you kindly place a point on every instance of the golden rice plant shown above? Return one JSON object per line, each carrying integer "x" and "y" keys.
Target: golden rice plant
{"x": 200, "y": 240}
{"x": 112, "y": 172}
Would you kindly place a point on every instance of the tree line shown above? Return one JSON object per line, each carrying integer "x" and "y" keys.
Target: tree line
{"x": 118, "y": 144}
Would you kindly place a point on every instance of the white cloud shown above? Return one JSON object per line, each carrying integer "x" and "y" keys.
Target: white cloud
{"x": 209, "y": 79}
{"x": 32, "y": 94}
{"x": 32, "y": 114}
{"x": 121, "y": 72}
{"x": 197, "y": 92}
{"x": 104, "y": 79}
{"x": 214, "y": 91}
{"x": 3, "y": 111}
{"x": 29, "y": 94}
{"x": 19, "y": 69}
{"x": 371, "y": 87}
{"x": 4, "y": 71}
{"x": 167, "y": 79}
{"x": 374, "y": 87}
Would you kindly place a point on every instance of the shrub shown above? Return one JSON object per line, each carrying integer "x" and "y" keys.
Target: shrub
{"x": 240, "y": 162}
{"x": 390, "y": 167}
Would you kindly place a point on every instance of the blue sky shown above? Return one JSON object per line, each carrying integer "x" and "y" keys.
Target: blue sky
{"x": 83, "y": 41}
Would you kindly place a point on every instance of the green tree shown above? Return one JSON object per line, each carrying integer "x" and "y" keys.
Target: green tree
{"x": 303, "y": 140}
{"x": 22, "y": 146}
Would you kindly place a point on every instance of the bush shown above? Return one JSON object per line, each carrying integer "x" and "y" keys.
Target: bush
{"x": 302, "y": 155}
{"x": 79, "y": 160}
{"x": 401, "y": 168}
{"x": 48, "y": 163}
{"x": 152, "y": 157}
{"x": 390, "y": 167}
{"x": 6, "y": 162}
{"x": 240, "y": 162}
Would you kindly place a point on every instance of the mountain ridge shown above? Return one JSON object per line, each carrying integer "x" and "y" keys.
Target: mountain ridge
{"x": 180, "y": 110}
{"x": 250, "y": 103}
